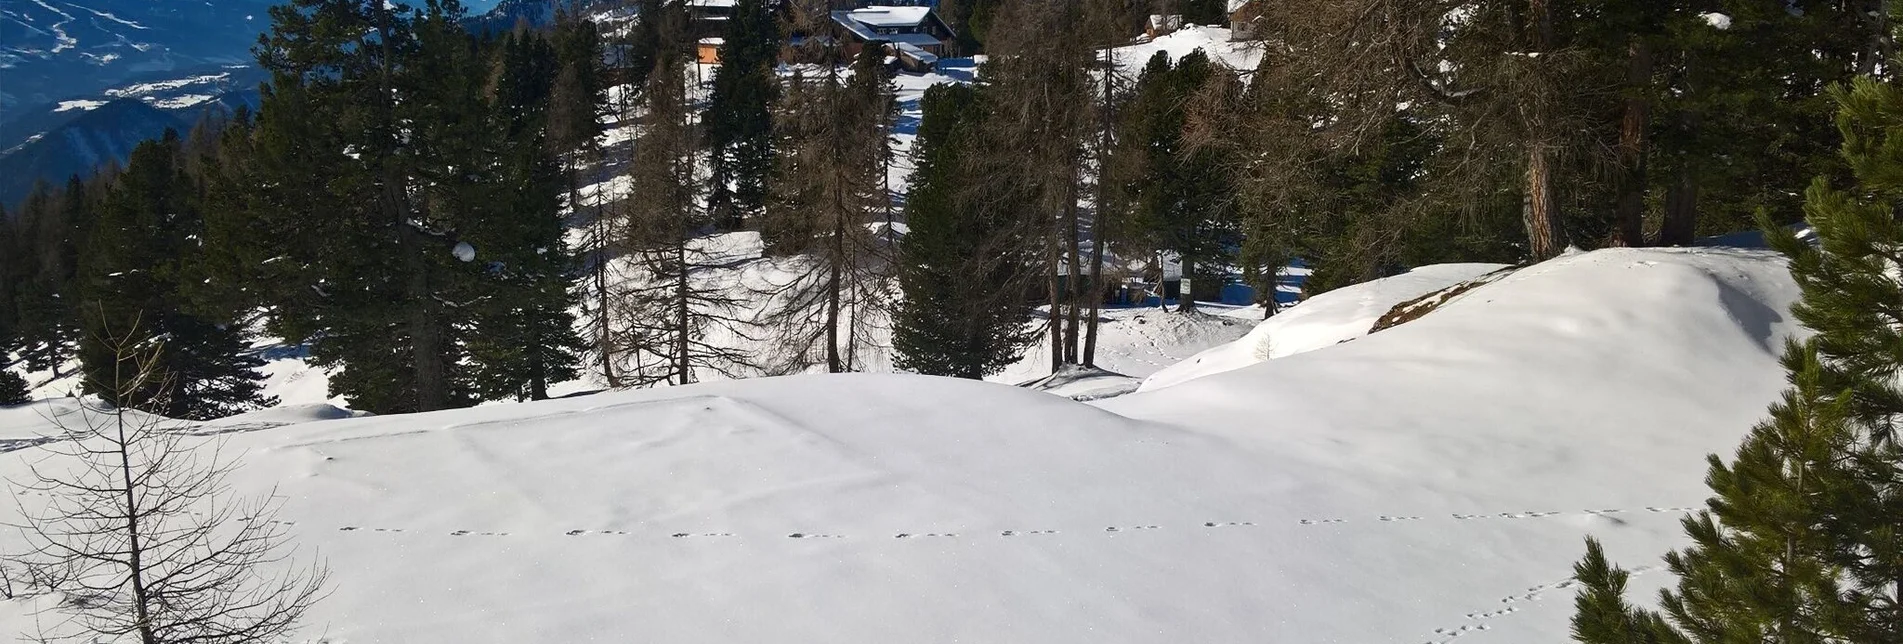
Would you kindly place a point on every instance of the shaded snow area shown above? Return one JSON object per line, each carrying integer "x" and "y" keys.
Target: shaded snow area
{"x": 1321, "y": 321}
{"x": 1428, "y": 483}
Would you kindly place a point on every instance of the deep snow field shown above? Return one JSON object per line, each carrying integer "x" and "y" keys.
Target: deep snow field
{"x": 1428, "y": 483}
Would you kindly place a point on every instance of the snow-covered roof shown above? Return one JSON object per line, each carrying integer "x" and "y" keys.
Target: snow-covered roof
{"x": 713, "y": 3}
{"x": 713, "y": 41}
{"x": 919, "y": 40}
{"x": 890, "y": 16}
{"x": 915, "y": 53}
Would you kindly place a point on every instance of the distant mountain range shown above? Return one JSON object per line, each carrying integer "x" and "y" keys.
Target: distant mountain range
{"x": 83, "y": 81}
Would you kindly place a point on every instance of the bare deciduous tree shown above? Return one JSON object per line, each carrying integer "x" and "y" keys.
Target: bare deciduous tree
{"x": 142, "y": 536}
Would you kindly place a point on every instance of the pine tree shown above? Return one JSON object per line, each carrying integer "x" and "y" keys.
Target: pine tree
{"x": 141, "y": 245}
{"x": 370, "y": 203}
{"x": 52, "y": 229}
{"x": 1801, "y": 542}
{"x": 13, "y": 389}
{"x": 963, "y": 270}
{"x": 1185, "y": 201}
{"x": 523, "y": 338}
{"x": 739, "y": 118}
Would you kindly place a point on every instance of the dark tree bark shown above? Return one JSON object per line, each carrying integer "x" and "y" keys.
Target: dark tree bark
{"x": 1633, "y": 143}
{"x": 1681, "y": 209}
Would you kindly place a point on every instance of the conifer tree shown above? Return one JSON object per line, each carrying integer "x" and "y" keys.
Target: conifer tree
{"x": 669, "y": 317}
{"x": 523, "y": 338}
{"x": 1036, "y": 92}
{"x": 371, "y": 203}
{"x": 829, "y": 190}
{"x": 52, "y": 228}
{"x": 1183, "y": 196}
{"x": 137, "y": 256}
{"x": 963, "y": 270}
{"x": 13, "y": 389}
{"x": 739, "y": 118}
{"x": 1801, "y": 542}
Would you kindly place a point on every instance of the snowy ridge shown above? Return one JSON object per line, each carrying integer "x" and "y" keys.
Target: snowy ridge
{"x": 1322, "y": 321}
{"x": 1429, "y": 483}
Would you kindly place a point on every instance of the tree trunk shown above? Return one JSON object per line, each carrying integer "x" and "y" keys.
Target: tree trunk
{"x": 426, "y": 337}
{"x": 135, "y": 548}
{"x": 604, "y": 336}
{"x": 426, "y": 341}
{"x": 1074, "y": 268}
{"x": 683, "y": 339}
{"x": 1185, "y": 299}
{"x": 1108, "y": 119}
{"x": 1630, "y": 230}
{"x": 1544, "y": 237}
{"x": 833, "y": 363}
{"x": 1681, "y": 209}
{"x": 1056, "y": 322}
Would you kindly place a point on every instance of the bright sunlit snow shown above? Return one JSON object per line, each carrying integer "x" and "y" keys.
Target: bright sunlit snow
{"x": 1428, "y": 483}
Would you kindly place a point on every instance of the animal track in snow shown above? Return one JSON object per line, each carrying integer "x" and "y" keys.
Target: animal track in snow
{"x": 1392, "y": 518}
{"x": 803, "y": 535}
{"x": 1321, "y": 521}
{"x": 687, "y": 535}
{"x": 1233, "y": 524}
{"x": 1013, "y": 533}
{"x": 1535, "y": 593}
{"x": 1129, "y": 528}
{"x": 908, "y": 535}
{"x": 1653, "y": 509}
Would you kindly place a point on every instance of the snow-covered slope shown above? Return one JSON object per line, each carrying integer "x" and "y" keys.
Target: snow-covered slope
{"x": 1321, "y": 321}
{"x": 1430, "y": 483}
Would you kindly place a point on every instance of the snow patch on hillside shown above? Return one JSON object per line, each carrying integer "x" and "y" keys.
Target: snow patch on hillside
{"x": 1318, "y": 322}
{"x": 1238, "y": 55}
{"x": 1426, "y": 483}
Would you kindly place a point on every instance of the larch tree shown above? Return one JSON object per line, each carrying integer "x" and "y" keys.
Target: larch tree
{"x": 829, "y": 193}
{"x": 577, "y": 104}
{"x": 667, "y": 309}
{"x": 142, "y": 531}
{"x": 1036, "y": 90}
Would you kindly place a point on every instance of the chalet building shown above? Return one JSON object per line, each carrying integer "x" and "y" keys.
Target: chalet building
{"x": 1243, "y": 16}
{"x": 1159, "y": 26}
{"x": 707, "y": 51}
{"x": 709, "y": 18}
{"x": 915, "y": 35}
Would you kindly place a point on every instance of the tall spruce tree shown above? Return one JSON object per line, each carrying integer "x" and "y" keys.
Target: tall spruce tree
{"x": 372, "y": 205}
{"x": 1801, "y": 542}
{"x": 739, "y": 118}
{"x": 964, "y": 270}
{"x": 137, "y": 257}
{"x": 52, "y": 228}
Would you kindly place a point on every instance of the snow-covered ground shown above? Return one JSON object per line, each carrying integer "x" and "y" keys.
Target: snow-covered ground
{"x": 1428, "y": 483}
{"x": 1324, "y": 320}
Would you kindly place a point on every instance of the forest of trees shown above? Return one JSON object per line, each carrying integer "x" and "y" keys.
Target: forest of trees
{"x": 412, "y": 201}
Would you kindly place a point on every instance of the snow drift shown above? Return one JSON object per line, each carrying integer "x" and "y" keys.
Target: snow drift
{"x": 1322, "y": 321}
{"x": 1430, "y": 483}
